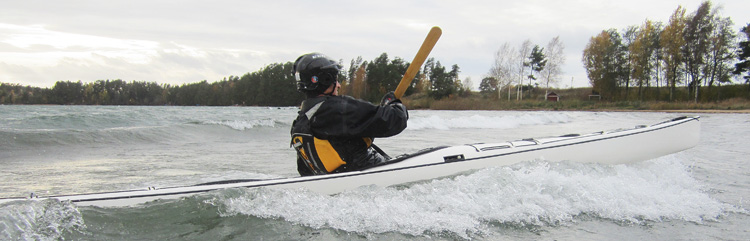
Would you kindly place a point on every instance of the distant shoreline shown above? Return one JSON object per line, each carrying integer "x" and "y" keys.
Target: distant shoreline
{"x": 694, "y": 111}
{"x": 672, "y": 111}
{"x": 730, "y": 106}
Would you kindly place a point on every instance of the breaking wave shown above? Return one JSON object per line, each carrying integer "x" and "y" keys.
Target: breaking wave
{"x": 486, "y": 121}
{"x": 39, "y": 220}
{"x": 248, "y": 124}
{"x": 534, "y": 193}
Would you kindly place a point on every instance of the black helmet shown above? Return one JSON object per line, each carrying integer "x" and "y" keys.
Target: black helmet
{"x": 315, "y": 72}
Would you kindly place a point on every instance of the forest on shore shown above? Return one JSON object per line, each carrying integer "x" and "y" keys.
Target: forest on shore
{"x": 273, "y": 85}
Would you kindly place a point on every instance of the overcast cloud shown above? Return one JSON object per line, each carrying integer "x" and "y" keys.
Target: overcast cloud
{"x": 187, "y": 41}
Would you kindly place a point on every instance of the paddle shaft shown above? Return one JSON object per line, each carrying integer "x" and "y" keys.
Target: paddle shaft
{"x": 416, "y": 64}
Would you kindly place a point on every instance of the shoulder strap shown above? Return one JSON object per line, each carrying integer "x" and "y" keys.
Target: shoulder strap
{"x": 309, "y": 113}
{"x": 310, "y": 106}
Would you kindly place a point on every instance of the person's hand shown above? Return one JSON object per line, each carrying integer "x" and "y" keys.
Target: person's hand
{"x": 389, "y": 98}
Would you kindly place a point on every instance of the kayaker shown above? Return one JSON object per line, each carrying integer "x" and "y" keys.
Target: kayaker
{"x": 334, "y": 133}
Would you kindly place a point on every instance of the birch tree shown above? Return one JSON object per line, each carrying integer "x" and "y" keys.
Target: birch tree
{"x": 523, "y": 53}
{"x": 502, "y": 70}
{"x": 697, "y": 34}
{"x": 555, "y": 59}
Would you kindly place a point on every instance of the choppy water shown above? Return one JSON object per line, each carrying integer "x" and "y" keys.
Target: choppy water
{"x": 698, "y": 194}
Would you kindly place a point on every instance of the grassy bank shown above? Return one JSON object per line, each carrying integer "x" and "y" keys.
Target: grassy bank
{"x": 728, "y": 98}
{"x": 480, "y": 103}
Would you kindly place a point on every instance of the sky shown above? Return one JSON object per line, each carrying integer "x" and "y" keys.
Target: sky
{"x": 187, "y": 41}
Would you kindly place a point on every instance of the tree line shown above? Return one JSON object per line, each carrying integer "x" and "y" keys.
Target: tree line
{"x": 520, "y": 70}
{"x": 652, "y": 60}
{"x": 272, "y": 85}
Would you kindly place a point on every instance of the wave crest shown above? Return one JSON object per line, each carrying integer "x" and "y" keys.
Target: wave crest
{"x": 245, "y": 124}
{"x": 486, "y": 122}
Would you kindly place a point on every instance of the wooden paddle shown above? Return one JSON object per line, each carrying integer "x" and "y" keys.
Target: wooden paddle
{"x": 416, "y": 64}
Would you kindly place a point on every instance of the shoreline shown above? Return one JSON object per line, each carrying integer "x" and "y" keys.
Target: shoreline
{"x": 706, "y": 111}
{"x": 734, "y": 106}
{"x": 693, "y": 111}
{"x": 697, "y": 111}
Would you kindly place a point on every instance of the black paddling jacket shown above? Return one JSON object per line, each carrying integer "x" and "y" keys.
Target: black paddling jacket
{"x": 335, "y": 133}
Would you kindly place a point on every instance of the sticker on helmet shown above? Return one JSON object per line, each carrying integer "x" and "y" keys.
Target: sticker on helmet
{"x": 314, "y": 79}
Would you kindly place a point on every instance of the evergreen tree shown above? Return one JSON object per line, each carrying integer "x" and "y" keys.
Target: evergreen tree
{"x": 443, "y": 83}
{"x": 537, "y": 62}
{"x": 743, "y": 55}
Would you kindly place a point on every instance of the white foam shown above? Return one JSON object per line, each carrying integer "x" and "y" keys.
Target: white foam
{"x": 244, "y": 124}
{"x": 531, "y": 193}
{"x": 39, "y": 220}
{"x": 485, "y": 121}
